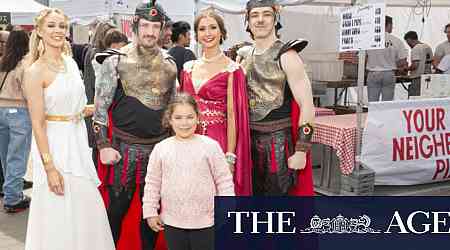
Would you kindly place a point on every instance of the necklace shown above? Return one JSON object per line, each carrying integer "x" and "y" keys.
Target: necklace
{"x": 54, "y": 66}
{"x": 212, "y": 59}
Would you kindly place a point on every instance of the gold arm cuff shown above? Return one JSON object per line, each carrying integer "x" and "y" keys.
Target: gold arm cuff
{"x": 46, "y": 158}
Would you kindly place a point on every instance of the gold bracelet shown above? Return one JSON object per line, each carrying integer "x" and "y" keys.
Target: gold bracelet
{"x": 46, "y": 158}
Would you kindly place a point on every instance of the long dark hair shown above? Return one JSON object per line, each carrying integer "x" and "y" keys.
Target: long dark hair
{"x": 15, "y": 49}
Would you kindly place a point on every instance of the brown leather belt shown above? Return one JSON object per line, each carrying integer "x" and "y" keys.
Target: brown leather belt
{"x": 131, "y": 139}
{"x": 271, "y": 126}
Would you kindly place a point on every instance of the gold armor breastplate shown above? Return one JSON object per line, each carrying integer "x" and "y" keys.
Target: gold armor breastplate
{"x": 149, "y": 78}
{"x": 266, "y": 82}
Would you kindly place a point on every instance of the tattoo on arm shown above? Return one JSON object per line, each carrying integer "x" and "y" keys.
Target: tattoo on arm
{"x": 105, "y": 89}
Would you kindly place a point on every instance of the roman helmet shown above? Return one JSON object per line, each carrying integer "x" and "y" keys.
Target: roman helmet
{"x": 150, "y": 11}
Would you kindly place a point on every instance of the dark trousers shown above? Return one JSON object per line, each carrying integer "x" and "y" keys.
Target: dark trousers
{"x": 270, "y": 152}
{"x": 189, "y": 239}
{"x": 123, "y": 178}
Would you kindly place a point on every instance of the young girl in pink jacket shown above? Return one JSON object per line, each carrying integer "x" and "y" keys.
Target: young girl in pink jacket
{"x": 184, "y": 173}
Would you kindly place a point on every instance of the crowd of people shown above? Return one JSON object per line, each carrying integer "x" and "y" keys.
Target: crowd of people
{"x": 133, "y": 138}
{"x": 384, "y": 65}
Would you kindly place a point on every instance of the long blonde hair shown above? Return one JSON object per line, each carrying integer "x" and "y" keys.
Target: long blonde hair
{"x": 37, "y": 47}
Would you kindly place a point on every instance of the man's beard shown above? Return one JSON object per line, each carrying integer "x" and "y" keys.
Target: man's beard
{"x": 149, "y": 44}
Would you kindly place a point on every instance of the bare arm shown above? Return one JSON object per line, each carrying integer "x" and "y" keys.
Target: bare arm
{"x": 438, "y": 54}
{"x": 231, "y": 124}
{"x": 299, "y": 84}
{"x": 301, "y": 90}
{"x": 34, "y": 84}
{"x": 435, "y": 61}
{"x": 34, "y": 92}
{"x": 221, "y": 176}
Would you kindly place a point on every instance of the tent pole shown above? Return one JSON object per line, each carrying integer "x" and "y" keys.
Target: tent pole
{"x": 359, "y": 108}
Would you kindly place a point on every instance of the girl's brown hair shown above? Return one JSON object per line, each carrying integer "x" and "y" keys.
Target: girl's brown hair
{"x": 179, "y": 99}
{"x": 209, "y": 12}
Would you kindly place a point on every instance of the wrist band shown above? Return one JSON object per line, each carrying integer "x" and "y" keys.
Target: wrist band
{"x": 305, "y": 133}
{"x": 230, "y": 158}
{"x": 46, "y": 158}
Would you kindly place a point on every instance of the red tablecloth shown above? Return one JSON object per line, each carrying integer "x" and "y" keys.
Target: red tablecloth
{"x": 338, "y": 132}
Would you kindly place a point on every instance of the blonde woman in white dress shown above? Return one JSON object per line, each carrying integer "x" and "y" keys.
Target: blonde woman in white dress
{"x": 66, "y": 211}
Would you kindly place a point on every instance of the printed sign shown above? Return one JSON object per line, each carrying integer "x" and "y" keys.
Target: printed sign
{"x": 408, "y": 142}
{"x": 362, "y": 27}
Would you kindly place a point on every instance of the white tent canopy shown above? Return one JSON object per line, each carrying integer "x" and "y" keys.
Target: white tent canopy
{"x": 21, "y": 6}
{"x": 22, "y": 11}
{"x": 301, "y": 18}
{"x": 238, "y": 6}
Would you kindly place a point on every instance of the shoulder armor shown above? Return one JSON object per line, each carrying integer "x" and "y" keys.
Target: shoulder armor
{"x": 297, "y": 45}
{"x": 101, "y": 56}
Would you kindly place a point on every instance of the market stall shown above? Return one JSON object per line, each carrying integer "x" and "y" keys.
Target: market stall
{"x": 20, "y": 12}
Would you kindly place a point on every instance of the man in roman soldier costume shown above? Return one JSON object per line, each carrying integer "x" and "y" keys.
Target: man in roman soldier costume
{"x": 133, "y": 88}
{"x": 281, "y": 106}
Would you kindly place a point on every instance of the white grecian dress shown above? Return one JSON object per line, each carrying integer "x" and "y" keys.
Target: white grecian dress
{"x": 77, "y": 220}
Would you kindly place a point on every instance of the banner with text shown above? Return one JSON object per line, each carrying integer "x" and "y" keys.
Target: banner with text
{"x": 408, "y": 142}
{"x": 326, "y": 223}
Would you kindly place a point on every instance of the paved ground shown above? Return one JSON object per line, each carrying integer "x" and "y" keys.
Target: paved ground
{"x": 12, "y": 230}
{"x": 13, "y": 227}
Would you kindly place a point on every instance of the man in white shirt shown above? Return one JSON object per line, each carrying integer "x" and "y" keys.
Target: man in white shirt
{"x": 444, "y": 65}
{"x": 421, "y": 55}
{"x": 382, "y": 64}
{"x": 443, "y": 48}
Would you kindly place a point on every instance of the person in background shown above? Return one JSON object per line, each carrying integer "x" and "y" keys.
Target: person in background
{"x": 166, "y": 41}
{"x": 15, "y": 124}
{"x": 382, "y": 64}
{"x": 421, "y": 57}
{"x": 97, "y": 45}
{"x": 181, "y": 38}
{"x": 3, "y": 38}
{"x": 443, "y": 48}
{"x": 115, "y": 39}
{"x": 185, "y": 173}
{"x": 444, "y": 65}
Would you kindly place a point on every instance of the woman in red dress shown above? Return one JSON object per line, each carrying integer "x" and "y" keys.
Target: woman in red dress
{"x": 219, "y": 87}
